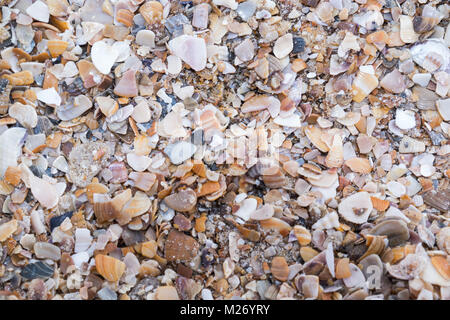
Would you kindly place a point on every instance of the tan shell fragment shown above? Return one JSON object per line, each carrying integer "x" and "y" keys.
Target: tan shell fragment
{"x": 7, "y": 229}
{"x": 276, "y": 224}
{"x": 180, "y": 246}
{"x": 152, "y": 12}
{"x": 407, "y": 33}
{"x": 182, "y": 201}
{"x": 360, "y": 165}
{"x": 280, "y": 268}
{"x": 356, "y": 208}
{"x": 314, "y": 134}
{"x": 166, "y": 293}
{"x": 363, "y": 85}
{"x": 110, "y": 268}
{"x": 303, "y": 235}
{"x": 335, "y": 157}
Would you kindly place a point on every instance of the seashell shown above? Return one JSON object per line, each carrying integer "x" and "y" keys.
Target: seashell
{"x": 263, "y": 213}
{"x": 357, "y": 278}
{"x": 180, "y": 247}
{"x": 43, "y": 191}
{"x": 182, "y": 201}
{"x": 152, "y": 12}
{"x": 303, "y": 235}
{"x": 435, "y": 272}
{"x": 45, "y": 250}
{"x": 379, "y": 39}
{"x": 330, "y": 221}
{"x": 7, "y": 229}
{"x": 127, "y": 86}
{"x": 283, "y": 46}
{"x": 246, "y": 209}
{"x": 424, "y": 24}
{"x": 280, "y": 269}
{"x": 107, "y": 105}
{"x": 219, "y": 193}
{"x": 5, "y": 89}
{"x": 200, "y": 16}
{"x": 360, "y": 165}
{"x": 409, "y": 268}
{"x": 407, "y": 33}
{"x": 58, "y": 8}
{"x": 438, "y": 200}
{"x": 149, "y": 248}
{"x": 335, "y": 157}
{"x": 314, "y": 134}
{"x": 325, "y": 180}
{"x": 136, "y": 206}
{"x": 191, "y": 50}
{"x": 143, "y": 180}
{"x": 180, "y": 151}
{"x": 57, "y": 47}
{"x": 13, "y": 175}
{"x": 103, "y": 57}
{"x": 396, "y": 230}
{"x": 356, "y": 208}
{"x": 166, "y": 292}
{"x": 432, "y": 55}
{"x": 107, "y": 209}
{"x": 276, "y": 224}
{"x": 343, "y": 269}
{"x": 26, "y": 115}
{"x": 394, "y": 82}
{"x": 443, "y": 239}
{"x": 276, "y": 180}
{"x": 83, "y": 239}
{"x": 21, "y": 78}
{"x": 260, "y": 102}
{"x": 440, "y": 263}
{"x": 378, "y": 204}
{"x": 410, "y": 145}
{"x": 245, "y": 51}
{"x": 37, "y": 269}
{"x": 109, "y": 268}
{"x": 125, "y": 17}
{"x": 208, "y": 188}
{"x": 363, "y": 85}
{"x": 376, "y": 245}
{"x": 370, "y": 20}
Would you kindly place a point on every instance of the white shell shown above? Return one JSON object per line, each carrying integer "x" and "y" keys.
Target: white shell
{"x": 10, "y": 147}
{"x": 330, "y": 221}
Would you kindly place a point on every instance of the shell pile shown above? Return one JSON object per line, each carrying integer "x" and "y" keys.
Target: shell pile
{"x": 224, "y": 149}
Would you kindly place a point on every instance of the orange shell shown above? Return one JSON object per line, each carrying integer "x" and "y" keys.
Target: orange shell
{"x": 57, "y": 47}
{"x": 110, "y": 268}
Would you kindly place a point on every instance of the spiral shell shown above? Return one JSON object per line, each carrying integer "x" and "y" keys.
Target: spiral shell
{"x": 110, "y": 268}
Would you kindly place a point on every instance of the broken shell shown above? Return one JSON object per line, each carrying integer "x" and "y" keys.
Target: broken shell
{"x": 330, "y": 221}
{"x": 57, "y": 47}
{"x": 182, "y": 201}
{"x": 110, "y": 268}
{"x": 343, "y": 269}
{"x": 407, "y": 269}
{"x": 276, "y": 224}
{"x": 152, "y": 12}
{"x": 303, "y": 235}
{"x": 363, "y": 85}
{"x": 191, "y": 50}
{"x": 280, "y": 268}
{"x": 357, "y": 278}
{"x": 335, "y": 157}
{"x": 7, "y": 229}
{"x": 441, "y": 264}
{"x": 356, "y": 208}
{"x": 180, "y": 247}
{"x": 407, "y": 33}
{"x": 263, "y": 213}
{"x": 166, "y": 292}
{"x": 396, "y": 230}
{"x": 360, "y": 165}
{"x": 424, "y": 24}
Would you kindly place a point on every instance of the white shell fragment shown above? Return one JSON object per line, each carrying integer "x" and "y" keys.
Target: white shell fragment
{"x": 356, "y": 208}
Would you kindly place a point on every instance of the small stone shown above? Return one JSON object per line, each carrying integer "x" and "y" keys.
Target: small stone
{"x": 298, "y": 45}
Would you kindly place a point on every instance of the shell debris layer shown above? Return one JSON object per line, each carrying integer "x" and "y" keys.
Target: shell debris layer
{"x": 224, "y": 149}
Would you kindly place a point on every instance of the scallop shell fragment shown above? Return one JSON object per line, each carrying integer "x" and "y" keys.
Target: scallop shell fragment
{"x": 109, "y": 268}
{"x": 356, "y": 208}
